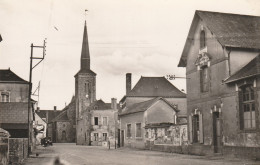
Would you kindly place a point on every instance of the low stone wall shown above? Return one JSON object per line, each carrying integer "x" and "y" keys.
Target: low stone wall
{"x": 4, "y": 149}
{"x": 18, "y": 150}
{"x": 183, "y": 149}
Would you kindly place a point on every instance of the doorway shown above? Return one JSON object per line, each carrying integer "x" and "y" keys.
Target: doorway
{"x": 63, "y": 137}
{"x": 217, "y": 133}
{"x": 118, "y": 138}
{"x": 122, "y": 138}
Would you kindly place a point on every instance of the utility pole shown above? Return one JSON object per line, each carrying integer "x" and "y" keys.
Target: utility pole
{"x": 30, "y": 86}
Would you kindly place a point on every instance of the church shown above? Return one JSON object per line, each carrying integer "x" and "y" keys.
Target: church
{"x": 85, "y": 120}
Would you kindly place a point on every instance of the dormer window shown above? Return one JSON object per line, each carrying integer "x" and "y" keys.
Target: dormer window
{"x": 202, "y": 39}
{"x": 5, "y": 96}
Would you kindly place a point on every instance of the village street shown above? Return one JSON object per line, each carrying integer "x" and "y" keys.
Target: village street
{"x": 72, "y": 154}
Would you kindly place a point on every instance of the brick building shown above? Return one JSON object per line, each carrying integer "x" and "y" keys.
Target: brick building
{"x": 221, "y": 56}
{"x": 153, "y": 100}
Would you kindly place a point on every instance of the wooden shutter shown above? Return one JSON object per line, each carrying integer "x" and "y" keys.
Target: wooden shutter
{"x": 240, "y": 109}
{"x": 201, "y": 127}
{"x": 190, "y": 129}
{"x": 92, "y": 121}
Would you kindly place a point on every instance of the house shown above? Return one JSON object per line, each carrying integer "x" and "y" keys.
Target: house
{"x": 221, "y": 56}
{"x": 14, "y": 104}
{"x": 14, "y": 114}
{"x": 152, "y": 101}
{"x": 40, "y": 128}
{"x": 104, "y": 123}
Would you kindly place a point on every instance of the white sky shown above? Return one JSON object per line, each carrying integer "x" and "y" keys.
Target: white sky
{"x": 143, "y": 37}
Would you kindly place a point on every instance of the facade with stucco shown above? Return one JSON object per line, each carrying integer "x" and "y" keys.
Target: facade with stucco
{"x": 222, "y": 70}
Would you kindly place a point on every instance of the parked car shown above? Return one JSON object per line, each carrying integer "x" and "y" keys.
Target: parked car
{"x": 46, "y": 141}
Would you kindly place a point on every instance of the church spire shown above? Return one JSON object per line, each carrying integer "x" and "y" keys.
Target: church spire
{"x": 85, "y": 57}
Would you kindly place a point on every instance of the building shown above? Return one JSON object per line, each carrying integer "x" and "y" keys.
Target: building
{"x": 63, "y": 126}
{"x": 40, "y": 128}
{"x": 221, "y": 56}
{"x": 152, "y": 101}
{"x": 96, "y": 121}
{"x": 85, "y": 92}
{"x": 14, "y": 105}
{"x": 104, "y": 123}
{"x": 59, "y": 126}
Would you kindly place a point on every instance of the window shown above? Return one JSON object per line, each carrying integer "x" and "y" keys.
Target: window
{"x": 247, "y": 107}
{"x": 89, "y": 90}
{"x": 5, "y": 97}
{"x": 104, "y": 136}
{"x": 204, "y": 82}
{"x": 202, "y": 39}
{"x": 128, "y": 130}
{"x": 96, "y": 120}
{"x": 104, "y": 120}
{"x": 138, "y": 130}
{"x": 195, "y": 121}
{"x": 95, "y": 136}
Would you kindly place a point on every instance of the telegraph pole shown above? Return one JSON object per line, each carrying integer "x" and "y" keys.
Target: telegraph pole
{"x": 30, "y": 85}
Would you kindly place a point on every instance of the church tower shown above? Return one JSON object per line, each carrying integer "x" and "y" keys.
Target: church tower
{"x": 85, "y": 89}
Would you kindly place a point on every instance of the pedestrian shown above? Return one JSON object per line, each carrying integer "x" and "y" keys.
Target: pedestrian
{"x": 108, "y": 142}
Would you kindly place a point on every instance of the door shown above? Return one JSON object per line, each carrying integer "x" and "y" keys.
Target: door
{"x": 63, "y": 137}
{"x": 122, "y": 138}
{"x": 217, "y": 132}
{"x": 118, "y": 138}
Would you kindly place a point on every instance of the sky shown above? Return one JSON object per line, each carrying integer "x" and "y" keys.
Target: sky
{"x": 142, "y": 37}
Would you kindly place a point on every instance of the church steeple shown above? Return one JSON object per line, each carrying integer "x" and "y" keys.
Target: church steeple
{"x": 85, "y": 57}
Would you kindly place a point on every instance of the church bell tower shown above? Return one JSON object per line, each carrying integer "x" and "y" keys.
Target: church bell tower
{"x": 85, "y": 90}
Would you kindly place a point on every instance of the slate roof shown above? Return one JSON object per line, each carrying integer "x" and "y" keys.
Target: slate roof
{"x": 231, "y": 30}
{"x": 51, "y": 114}
{"x": 6, "y": 75}
{"x": 86, "y": 71}
{"x": 155, "y": 87}
{"x": 143, "y": 106}
{"x": 13, "y": 112}
{"x": 249, "y": 70}
{"x": 100, "y": 105}
{"x": 61, "y": 117}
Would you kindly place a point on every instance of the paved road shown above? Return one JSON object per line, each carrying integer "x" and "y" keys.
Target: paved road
{"x": 89, "y": 155}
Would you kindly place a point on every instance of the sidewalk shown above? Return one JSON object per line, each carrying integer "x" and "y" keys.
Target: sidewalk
{"x": 40, "y": 156}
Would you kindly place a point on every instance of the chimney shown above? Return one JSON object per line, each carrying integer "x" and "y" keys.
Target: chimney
{"x": 113, "y": 103}
{"x": 128, "y": 82}
{"x": 55, "y": 108}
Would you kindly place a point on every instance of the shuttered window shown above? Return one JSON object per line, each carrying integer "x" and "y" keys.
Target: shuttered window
{"x": 128, "y": 130}
{"x": 190, "y": 129}
{"x": 5, "y": 97}
{"x": 138, "y": 130}
{"x": 196, "y": 128}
